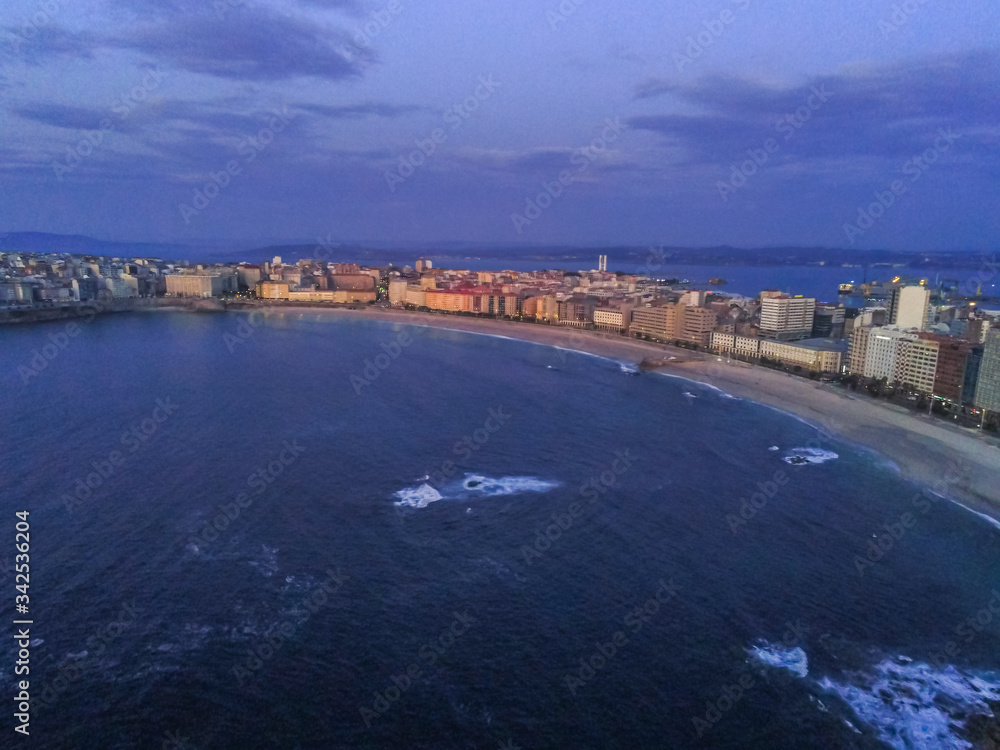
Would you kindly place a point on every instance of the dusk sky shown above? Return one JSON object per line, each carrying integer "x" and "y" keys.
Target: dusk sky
{"x": 300, "y": 120}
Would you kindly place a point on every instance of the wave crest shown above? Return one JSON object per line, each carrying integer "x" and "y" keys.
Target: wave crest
{"x": 471, "y": 486}
{"x": 797, "y": 456}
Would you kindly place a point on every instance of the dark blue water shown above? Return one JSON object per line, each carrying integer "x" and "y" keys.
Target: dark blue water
{"x": 323, "y": 612}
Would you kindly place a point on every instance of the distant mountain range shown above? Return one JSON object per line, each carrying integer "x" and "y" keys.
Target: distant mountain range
{"x": 223, "y": 252}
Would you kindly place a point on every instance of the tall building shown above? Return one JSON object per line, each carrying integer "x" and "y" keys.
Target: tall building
{"x": 918, "y": 361}
{"x": 952, "y": 363}
{"x": 972, "y": 365}
{"x": 828, "y": 322}
{"x": 975, "y": 330}
{"x": 660, "y": 322}
{"x": 908, "y": 307}
{"x": 857, "y": 352}
{"x": 424, "y": 265}
{"x": 785, "y": 318}
{"x": 885, "y": 355}
{"x": 602, "y": 262}
{"x": 397, "y": 291}
{"x": 577, "y": 311}
{"x": 988, "y": 387}
{"x": 696, "y": 324}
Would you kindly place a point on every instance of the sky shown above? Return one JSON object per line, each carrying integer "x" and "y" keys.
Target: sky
{"x": 856, "y": 124}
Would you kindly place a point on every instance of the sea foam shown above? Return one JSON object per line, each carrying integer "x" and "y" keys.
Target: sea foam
{"x": 417, "y": 497}
{"x": 469, "y": 487}
{"x": 809, "y": 456}
{"x": 781, "y": 657}
{"x": 914, "y": 706}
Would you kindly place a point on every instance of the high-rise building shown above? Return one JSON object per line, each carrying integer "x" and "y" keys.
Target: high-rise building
{"x": 952, "y": 363}
{"x": 884, "y": 355}
{"x": 602, "y": 262}
{"x": 785, "y": 318}
{"x": 697, "y": 324}
{"x": 424, "y": 265}
{"x": 972, "y": 365}
{"x": 908, "y": 307}
{"x": 857, "y": 352}
{"x": 975, "y": 330}
{"x": 660, "y": 322}
{"x": 917, "y": 365}
{"x": 828, "y": 321}
{"x": 988, "y": 387}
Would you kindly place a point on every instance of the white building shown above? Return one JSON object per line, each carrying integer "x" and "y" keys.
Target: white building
{"x": 883, "y": 355}
{"x": 610, "y": 319}
{"x": 786, "y": 318}
{"x": 194, "y": 285}
{"x": 908, "y": 307}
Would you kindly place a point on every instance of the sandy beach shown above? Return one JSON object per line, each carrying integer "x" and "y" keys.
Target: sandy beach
{"x": 960, "y": 463}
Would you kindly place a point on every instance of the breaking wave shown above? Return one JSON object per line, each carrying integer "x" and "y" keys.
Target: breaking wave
{"x": 469, "y": 487}
{"x": 781, "y": 657}
{"x": 913, "y": 706}
{"x": 809, "y": 456}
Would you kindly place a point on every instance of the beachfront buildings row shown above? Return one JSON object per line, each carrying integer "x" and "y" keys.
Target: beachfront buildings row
{"x": 818, "y": 354}
{"x": 953, "y": 369}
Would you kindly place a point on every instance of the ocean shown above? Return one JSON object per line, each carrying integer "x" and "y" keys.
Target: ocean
{"x": 308, "y": 531}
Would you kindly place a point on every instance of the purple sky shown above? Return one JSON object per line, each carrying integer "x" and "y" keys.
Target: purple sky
{"x": 633, "y": 115}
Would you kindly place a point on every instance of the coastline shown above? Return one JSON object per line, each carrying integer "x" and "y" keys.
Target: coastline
{"x": 926, "y": 450}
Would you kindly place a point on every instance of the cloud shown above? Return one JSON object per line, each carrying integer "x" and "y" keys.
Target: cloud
{"x": 366, "y": 109}
{"x": 250, "y": 43}
{"x": 348, "y": 5}
{"x": 891, "y": 111}
{"x": 654, "y": 87}
{"x": 61, "y": 115}
{"x": 256, "y": 46}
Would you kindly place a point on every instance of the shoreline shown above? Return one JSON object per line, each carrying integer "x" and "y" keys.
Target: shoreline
{"x": 924, "y": 449}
